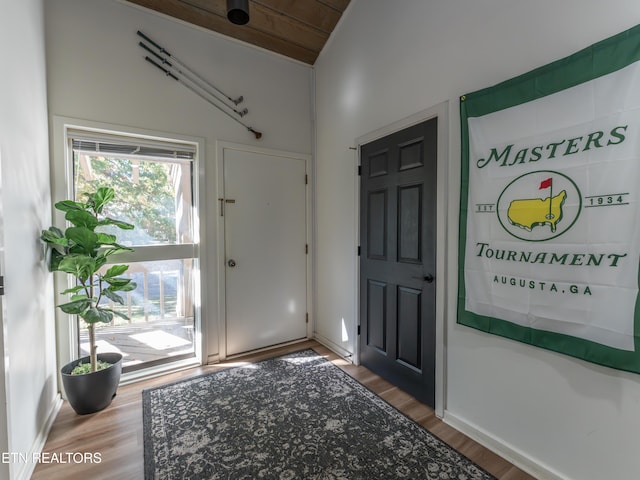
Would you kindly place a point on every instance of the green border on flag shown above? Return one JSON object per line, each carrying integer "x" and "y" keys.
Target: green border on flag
{"x": 599, "y": 59}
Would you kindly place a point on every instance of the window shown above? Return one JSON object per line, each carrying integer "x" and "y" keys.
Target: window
{"x": 153, "y": 181}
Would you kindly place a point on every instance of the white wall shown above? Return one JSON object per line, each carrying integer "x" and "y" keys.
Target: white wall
{"x": 388, "y": 60}
{"x": 28, "y": 357}
{"x": 97, "y": 72}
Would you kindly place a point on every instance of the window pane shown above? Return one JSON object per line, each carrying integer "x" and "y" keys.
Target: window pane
{"x": 160, "y": 311}
{"x": 155, "y": 196}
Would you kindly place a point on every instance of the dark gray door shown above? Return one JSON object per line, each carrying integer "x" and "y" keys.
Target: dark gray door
{"x": 398, "y": 258}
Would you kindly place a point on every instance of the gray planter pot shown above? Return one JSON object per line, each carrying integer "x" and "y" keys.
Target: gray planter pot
{"x": 92, "y": 392}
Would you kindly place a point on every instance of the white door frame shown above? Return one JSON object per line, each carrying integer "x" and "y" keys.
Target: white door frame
{"x": 442, "y": 112}
{"x": 220, "y": 228}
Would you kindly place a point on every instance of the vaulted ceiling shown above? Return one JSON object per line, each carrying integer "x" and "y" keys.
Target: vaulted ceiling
{"x": 297, "y": 29}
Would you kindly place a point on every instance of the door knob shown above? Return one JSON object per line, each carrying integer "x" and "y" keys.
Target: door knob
{"x": 428, "y": 278}
{"x": 231, "y": 262}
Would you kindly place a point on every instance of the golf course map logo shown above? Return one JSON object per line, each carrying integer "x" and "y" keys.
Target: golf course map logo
{"x": 539, "y": 206}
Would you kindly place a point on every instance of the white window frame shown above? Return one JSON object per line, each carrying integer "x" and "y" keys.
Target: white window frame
{"x": 62, "y": 188}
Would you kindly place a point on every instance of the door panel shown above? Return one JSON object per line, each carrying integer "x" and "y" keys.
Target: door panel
{"x": 377, "y": 318}
{"x": 398, "y": 258}
{"x": 377, "y": 231}
{"x": 411, "y": 154}
{"x": 410, "y": 224}
{"x": 409, "y": 326}
{"x": 265, "y": 239}
{"x": 378, "y": 162}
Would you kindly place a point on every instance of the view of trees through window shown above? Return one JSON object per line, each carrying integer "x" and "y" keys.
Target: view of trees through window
{"x": 145, "y": 195}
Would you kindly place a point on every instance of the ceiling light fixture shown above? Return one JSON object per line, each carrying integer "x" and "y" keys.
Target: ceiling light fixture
{"x": 238, "y": 11}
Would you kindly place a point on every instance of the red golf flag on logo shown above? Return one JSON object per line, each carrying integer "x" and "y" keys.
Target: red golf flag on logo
{"x": 545, "y": 184}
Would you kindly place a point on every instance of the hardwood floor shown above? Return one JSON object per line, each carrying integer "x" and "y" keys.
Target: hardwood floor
{"x": 116, "y": 432}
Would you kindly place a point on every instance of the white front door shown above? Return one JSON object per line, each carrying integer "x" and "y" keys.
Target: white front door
{"x": 264, "y": 209}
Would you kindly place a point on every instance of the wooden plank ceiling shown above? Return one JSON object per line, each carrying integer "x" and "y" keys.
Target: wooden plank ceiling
{"x": 297, "y": 29}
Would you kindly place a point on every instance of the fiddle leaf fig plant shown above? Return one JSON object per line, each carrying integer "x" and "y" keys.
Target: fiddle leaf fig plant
{"x": 82, "y": 252}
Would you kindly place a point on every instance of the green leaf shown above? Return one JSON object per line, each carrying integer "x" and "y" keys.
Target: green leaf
{"x": 81, "y": 266}
{"x": 117, "y": 223}
{"x": 55, "y": 259}
{"x": 67, "y": 205}
{"x": 75, "y": 308}
{"x": 121, "y": 284}
{"x": 117, "y": 250}
{"x": 113, "y": 296}
{"x": 102, "y": 196}
{"x": 115, "y": 312}
{"x": 116, "y": 282}
{"x": 75, "y": 289}
{"x": 54, "y": 236}
{"x": 115, "y": 270}
{"x": 106, "y": 239}
{"x": 101, "y": 260}
{"x": 84, "y": 238}
{"x": 94, "y": 315}
{"x": 126, "y": 288}
{"x": 75, "y": 298}
{"x": 82, "y": 218}
{"x": 56, "y": 231}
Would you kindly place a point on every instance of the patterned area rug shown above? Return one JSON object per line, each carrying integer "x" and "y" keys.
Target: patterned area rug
{"x": 291, "y": 417}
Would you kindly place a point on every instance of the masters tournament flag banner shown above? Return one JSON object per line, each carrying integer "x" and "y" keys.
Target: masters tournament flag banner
{"x": 550, "y": 206}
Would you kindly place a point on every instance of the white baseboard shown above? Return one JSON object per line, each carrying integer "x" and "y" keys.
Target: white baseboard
{"x": 26, "y": 469}
{"x": 347, "y": 355}
{"x": 516, "y": 457}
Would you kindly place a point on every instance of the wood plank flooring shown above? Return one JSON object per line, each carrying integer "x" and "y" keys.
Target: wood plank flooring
{"x": 116, "y": 432}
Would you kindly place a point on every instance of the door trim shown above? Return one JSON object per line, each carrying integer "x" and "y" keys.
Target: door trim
{"x": 220, "y": 259}
{"x": 442, "y": 112}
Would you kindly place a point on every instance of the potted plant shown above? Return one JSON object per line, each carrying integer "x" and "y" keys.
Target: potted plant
{"x": 90, "y": 382}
